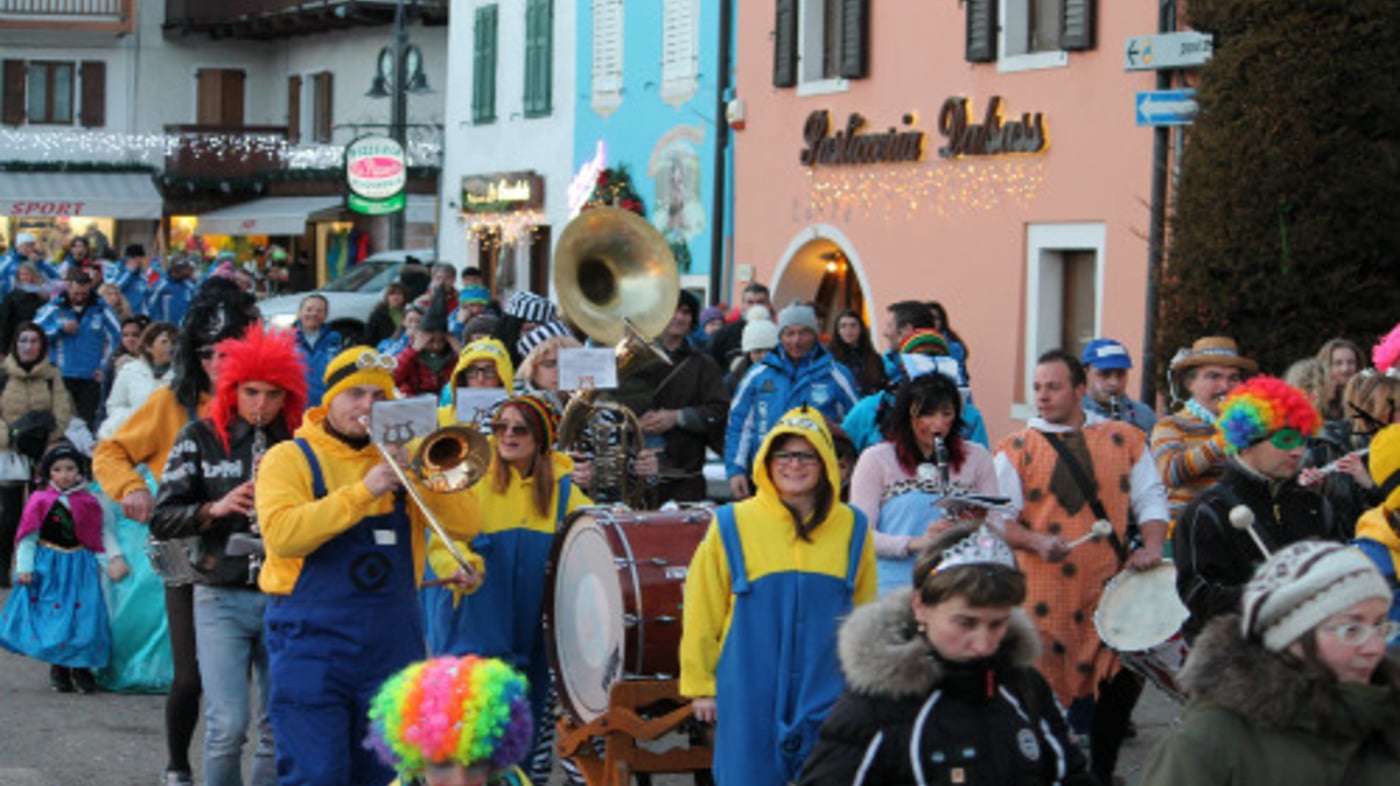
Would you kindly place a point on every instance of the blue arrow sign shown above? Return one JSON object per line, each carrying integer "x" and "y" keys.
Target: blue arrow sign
{"x": 1166, "y": 107}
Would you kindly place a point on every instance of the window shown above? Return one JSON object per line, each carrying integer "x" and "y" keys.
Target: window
{"x": 49, "y": 93}
{"x": 322, "y": 124}
{"x": 820, "y": 43}
{"x": 680, "y": 50}
{"x": 1064, "y": 286}
{"x": 607, "y": 56}
{"x": 484, "y": 65}
{"x": 539, "y": 56}
{"x": 219, "y": 97}
{"x": 1031, "y": 34}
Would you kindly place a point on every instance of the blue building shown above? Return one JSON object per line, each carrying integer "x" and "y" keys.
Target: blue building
{"x": 647, "y": 79}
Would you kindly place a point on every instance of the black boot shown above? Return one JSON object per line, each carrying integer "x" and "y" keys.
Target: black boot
{"x": 84, "y": 681}
{"x": 61, "y": 679}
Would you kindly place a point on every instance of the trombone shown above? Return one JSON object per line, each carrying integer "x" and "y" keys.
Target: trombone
{"x": 447, "y": 460}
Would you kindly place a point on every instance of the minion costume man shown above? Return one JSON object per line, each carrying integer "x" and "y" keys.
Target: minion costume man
{"x": 344, "y": 556}
{"x": 762, "y": 610}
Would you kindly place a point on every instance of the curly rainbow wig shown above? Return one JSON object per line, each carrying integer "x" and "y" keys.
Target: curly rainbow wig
{"x": 261, "y": 355}
{"x": 1262, "y": 406}
{"x": 467, "y": 710}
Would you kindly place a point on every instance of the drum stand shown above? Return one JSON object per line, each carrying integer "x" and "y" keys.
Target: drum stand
{"x": 629, "y": 733}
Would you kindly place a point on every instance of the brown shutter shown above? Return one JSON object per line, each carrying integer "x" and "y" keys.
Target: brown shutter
{"x": 1078, "y": 31}
{"x": 231, "y": 112}
{"x": 93, "y": 75}
{"x": 855, "y": 39}
{"x": 785, "y": 44}
{"x": 324, "y": 83}
{"x": 294, "y": 109}
{"x": 14, "y": 93}
{"x": 981, "y": 31}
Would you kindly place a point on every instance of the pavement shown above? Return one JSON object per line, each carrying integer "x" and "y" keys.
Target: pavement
{"x": 54, "y": 739}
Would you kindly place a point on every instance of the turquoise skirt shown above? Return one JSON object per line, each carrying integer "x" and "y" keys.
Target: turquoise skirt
{"x": 59, "y": 617}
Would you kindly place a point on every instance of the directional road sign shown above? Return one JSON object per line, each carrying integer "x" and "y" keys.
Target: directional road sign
{"x": 1166, "y": 107}
{"x": 1167, "y": 50}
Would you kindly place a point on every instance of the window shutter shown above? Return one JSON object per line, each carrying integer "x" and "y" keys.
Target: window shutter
{"x": 294, "y": 109}
{"x": 606, "y": 71}
{"x": 785, "y": 44}
{"x": 13, "y": 114}
{"x": 1078, "y": 31}
{"x": 539, "y": 23}
{"x": 855, "y": 39}
{"x": 93, "y": 75}
{"x": 324, "y": 82}
{"x": 484, "y": 66}
{"x": 981, "y": 31}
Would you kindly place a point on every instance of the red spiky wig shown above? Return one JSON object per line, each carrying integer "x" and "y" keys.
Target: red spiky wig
{"x": 262, "y": 355}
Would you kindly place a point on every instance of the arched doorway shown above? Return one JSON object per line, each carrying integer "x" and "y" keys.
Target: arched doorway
{"x": 821, "y": 266}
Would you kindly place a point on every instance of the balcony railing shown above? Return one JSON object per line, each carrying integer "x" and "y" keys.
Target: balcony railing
{"x": 114, "y": 15}
{"x": 207, "y": 151}
{"x": 284, "y": 18}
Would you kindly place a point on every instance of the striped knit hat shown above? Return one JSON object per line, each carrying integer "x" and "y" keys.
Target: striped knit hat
{"x": 924, "y": 342}
{"x": 1302, "y": 585}
{"x": 529, "y": 307}
{"x": 540, "y": 411}
{"x": 539, "y": 335}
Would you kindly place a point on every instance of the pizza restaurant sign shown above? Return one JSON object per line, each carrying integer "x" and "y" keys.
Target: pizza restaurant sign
{"x": 376, "y": 170}
{"x": 962, "y": 136}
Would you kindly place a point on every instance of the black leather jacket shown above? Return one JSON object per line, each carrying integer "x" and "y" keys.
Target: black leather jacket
{"x": 198, "y": 473}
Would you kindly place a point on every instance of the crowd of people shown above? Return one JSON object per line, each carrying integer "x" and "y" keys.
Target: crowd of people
{"x": 888, "y": 596}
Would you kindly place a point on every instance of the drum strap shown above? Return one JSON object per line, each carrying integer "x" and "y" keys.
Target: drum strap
{"x": 1090, "y": 492}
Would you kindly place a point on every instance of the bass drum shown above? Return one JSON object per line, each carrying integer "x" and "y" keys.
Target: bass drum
{"x": 613, "y": 593}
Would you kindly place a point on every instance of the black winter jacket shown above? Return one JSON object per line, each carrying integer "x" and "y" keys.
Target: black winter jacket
{"x": 994, "y": 721}
{"x": 1214, "y": 560}
{"x": 197, "y": 474}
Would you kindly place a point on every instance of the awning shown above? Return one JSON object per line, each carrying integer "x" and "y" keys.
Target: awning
{"x": 123, "y": 195}
{"x": 266, "y": 216}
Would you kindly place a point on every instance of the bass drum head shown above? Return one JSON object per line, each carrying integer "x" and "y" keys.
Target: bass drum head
{"x": 1140, "y": 609}
{"x": 587, "y": 640}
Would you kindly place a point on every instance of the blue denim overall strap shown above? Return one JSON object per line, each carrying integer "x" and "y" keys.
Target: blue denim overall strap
{"x": 778, "y": 674}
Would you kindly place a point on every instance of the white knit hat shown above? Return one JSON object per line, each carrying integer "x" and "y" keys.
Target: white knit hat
{"x": 1302, "y": 585}
{"x": 758, "y": 313}
{"x": 759, "y": 334}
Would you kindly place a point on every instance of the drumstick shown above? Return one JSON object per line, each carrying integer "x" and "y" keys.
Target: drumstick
{"x": 1242, "y": 517}
{"x": 1101, "y": 529}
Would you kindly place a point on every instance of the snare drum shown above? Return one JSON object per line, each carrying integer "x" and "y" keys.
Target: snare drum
{"x": 613, "y": 593}
{"x": 1140, "y": 617}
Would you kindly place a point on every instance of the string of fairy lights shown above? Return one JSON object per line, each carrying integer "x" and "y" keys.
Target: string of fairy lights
{"x": 898, "y": 193}
{"x": 154, "y": 149}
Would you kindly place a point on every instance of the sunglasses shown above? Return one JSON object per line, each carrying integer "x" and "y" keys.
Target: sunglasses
{"x": 205, "y": 353}
{"x": 514, "y": 429}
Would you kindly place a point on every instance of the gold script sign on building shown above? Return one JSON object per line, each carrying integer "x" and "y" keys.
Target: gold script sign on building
{"x": 502, "y": 192}
{"x": 852, "y": 146}
{"x": 991, "y": 137}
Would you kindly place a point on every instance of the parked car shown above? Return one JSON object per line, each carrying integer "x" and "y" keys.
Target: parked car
{"x": 352, "y": 295}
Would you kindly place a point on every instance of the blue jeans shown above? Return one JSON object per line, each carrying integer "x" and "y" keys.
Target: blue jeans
{"x": 228, "y": 626}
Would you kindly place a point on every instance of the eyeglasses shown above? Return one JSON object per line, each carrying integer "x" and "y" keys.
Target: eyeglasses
{"x": 1354, "y": 634}
{"x": 514, "y": 429}
{"x": 481, "y": 371}
{"x": 797, "y": 456}
{"x": 1287, "y": 439}
{"x": 371, "y": 359}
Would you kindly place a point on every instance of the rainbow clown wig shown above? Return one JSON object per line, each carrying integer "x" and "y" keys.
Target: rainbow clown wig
{"x": 1263, "y": 407}
{"x": 465, "y": 710}
{"x": 260, "y": 355}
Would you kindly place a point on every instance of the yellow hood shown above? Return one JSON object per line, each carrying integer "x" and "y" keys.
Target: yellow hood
{"x": 804, "y": 422}
{"x": 483, "y": 349}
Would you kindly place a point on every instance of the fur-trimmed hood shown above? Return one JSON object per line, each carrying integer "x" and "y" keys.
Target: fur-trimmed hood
{"x": 883, "y": 654}
{"x": 1260, "y": 685}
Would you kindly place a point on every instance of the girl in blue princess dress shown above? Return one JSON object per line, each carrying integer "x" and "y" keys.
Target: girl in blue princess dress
{"x": 56, "y": 613}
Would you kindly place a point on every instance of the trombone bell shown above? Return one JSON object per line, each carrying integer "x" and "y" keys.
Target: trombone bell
{"x": 452, "y": 458}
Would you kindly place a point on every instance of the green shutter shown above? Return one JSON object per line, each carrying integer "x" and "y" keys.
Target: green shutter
{"x": 539, "y": 54}
{"x": 484, "y": 66}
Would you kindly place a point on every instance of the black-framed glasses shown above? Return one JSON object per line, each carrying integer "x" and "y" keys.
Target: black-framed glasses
{"x": 205, "y": 353}
{"x": 797, "y": 456}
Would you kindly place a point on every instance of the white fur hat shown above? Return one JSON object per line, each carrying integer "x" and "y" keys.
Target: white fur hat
{"x": 1302, "y": 585}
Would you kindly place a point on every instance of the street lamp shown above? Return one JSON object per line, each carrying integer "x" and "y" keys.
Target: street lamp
{"x": 399, "y": 72}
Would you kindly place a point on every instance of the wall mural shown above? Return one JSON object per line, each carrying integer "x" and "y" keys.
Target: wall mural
{"x": 675, "y": 170}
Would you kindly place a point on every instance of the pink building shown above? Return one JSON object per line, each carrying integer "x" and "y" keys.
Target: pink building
{"x": 1031, "y": 231}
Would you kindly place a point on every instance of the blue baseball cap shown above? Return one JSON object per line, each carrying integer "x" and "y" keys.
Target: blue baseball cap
{"x": 1105, "y": 353}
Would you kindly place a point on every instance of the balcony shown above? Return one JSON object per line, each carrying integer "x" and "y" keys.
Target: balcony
{"x": 224, "y": 152}
{"x": 269, "y": 19}
{"x": 105, "y": 16}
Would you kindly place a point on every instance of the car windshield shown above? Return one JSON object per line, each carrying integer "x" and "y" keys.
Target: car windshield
{"x": 368, "y": 276}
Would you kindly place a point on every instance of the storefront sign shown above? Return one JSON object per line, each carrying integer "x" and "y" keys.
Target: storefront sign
{"x": 376, "y": 170}
{"x": 502, "y": 192}
{"x": 853, "y": 147}
{"x": 991, "y": 137}
{"x": 46, "y": 209}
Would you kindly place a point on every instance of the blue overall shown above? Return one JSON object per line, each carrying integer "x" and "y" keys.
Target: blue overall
{"x": 904, "y": 514}
{"x": 778, "y": 673}
{"x": 349, "y": 624}
{"x": 504, "y": 618}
